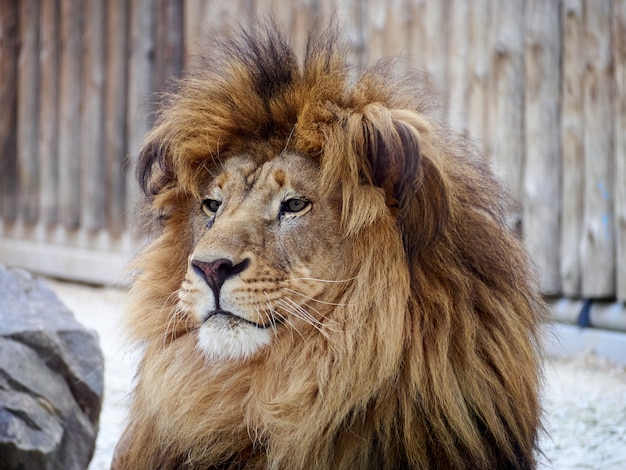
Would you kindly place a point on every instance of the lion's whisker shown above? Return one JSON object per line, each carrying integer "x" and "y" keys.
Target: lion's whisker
{"x": 298, "y": 312}
{"x": 178, "y": 316}
{"x": 174, "y": 318}
{"x": 328, "y": 281}
{"x": 288, "y": 140}
{"x": 266, "y": 316}
{"x": 301, "y": 309}
{"x": 324, "y": 302}
{"x": 283, "y": 318}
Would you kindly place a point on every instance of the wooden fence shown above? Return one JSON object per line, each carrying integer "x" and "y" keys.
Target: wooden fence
{"x": 540, "y": 83}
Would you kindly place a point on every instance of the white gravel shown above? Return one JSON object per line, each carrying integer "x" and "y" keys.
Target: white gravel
{"x": 584, "y": 397}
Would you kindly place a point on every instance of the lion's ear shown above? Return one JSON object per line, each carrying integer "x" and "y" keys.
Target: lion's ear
{"x": 404, "y": 164}
{"x": 392, "y": 150}
{"x": 154, "y": 167}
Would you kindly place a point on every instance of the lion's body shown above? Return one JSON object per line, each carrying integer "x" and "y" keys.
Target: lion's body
{"x": 374, "y": 310}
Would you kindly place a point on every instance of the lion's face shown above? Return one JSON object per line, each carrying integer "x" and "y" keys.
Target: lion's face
{"x": 264, "y": 240}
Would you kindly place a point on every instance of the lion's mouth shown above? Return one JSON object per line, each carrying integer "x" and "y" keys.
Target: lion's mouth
{"x": 230, "y": 316}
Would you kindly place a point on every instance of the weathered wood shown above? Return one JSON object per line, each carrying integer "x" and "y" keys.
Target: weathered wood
{"x": 437, "y": 15}
{"x": 374, "y": 13}
{"x": 92, "y": 116}
{"x": 49, "y": 111}
{"x": 28, "y": 111}
{"x": 506, "y": 127}
{"x": 115, "y": 94}
{"x": 542, "y": 190}
{"x": 416, "y": 24}
{"x": 201, "y": 16}
{"x": 386, "y": 31}
{"x": 351, "y": 20}
{"x": 301, "y": 18}
{"x": 494, "y": 60}
{"x": 598, "y": 245}
{"x": 280, "y": 12}
{"x": 139, "y": 111}
{"x": 194, "y": 15}
{"x": 458, "y": 83}
{"x": 9, "y": 47}
{"x": 169, "y": 43}
{"x": 69, "y": 112}
{"x": 619, "y": 47}
{"x": 397, "y": 35}
{"x": 572, "y": 171}
{"x": 478, "y": 64}
{"x": 64, "y": 260}
{"x": 198, "y": 15}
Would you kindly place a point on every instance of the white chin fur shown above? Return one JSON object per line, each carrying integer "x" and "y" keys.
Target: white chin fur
{"x": 222, "y": 341}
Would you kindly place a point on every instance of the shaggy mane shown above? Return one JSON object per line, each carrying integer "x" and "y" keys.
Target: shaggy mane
{"x": 437, "y": 363}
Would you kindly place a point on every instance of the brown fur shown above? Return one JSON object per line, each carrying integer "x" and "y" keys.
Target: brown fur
{"x": 423, "y": 356}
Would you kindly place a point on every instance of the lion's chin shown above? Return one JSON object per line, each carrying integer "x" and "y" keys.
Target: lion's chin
{"x": 223, "y": 339}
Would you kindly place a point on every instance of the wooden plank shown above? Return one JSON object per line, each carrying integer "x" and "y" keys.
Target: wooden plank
{"x": 437, "y": 16}
{"x": 386, "y": 31}
{"x": 478, "y": 72}
{"x": 115, "y": 95}
{"x": 598, "y": 245}
{"x": 49, "y": 111}
{"x": 278, "y": 11}
{"x": 202, "y": 17}
{"x": 458, "y": 82}
{"x": 169, "y": 43}
{"x": 351, "y": 17}
{"x": 573, "y": 178}
{"x": 9, "y": 47}
{"x": 301, "y": 18}
{"x": 619, "y": 48}
{"x": 194, "y": 12}
{"x": 397, "y": 32}
{"x": 506, "y": 101}
{"x": 542, "y": 171}
{"x": 69, "y": 113}
{"x": 195, "y": 20}
{"x": 139, "y": 110}
{"x": 28, "y": 111}
{"x": 92, "y": 116}
{"x": 65, "y": 261}
{"x": 373, "y": 31}
{"x": 417, "y": 38}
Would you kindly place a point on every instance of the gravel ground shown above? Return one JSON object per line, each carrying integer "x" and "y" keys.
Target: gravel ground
{"x": 584, "y": 397}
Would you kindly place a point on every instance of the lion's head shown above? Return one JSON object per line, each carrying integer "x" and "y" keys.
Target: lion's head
{"x": 331, "y": 283}
{"x": 266, "y": 242}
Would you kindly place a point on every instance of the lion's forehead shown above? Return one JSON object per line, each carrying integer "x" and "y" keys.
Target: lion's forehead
{"x": 244, "y": 174}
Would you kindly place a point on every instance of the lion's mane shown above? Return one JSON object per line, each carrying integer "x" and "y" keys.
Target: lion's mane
{"x": 436, "y": 364}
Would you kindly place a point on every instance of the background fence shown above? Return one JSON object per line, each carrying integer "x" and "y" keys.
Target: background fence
{"x": 540, "y": 83}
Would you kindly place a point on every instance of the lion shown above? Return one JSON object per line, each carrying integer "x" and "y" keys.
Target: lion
{"x": 331, "y": 282}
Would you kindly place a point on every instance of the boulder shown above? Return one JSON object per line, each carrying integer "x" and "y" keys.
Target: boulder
{"x": 51, "y": 379}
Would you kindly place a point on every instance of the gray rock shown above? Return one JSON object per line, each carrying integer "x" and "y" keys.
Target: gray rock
{"x": 51, "y": 379}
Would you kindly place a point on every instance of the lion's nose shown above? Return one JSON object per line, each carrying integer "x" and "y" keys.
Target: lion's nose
{"x": 215, "y": 273}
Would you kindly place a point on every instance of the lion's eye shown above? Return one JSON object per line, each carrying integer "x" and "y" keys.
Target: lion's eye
{"x": 210, "y": 206}
{"x": 294, "y": 205}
